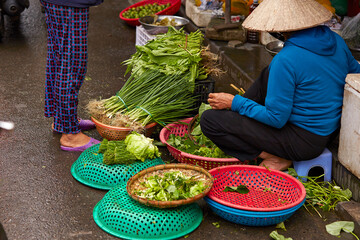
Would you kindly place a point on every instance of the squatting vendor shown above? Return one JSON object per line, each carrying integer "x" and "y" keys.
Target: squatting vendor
{"x": 293, "y": 110}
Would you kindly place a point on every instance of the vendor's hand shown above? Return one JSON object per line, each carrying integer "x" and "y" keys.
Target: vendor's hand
{"x": 220, "y": 100}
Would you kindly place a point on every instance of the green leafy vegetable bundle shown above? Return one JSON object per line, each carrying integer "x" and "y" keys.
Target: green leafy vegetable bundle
{"x": 171, "y": 186}
{"x": 174, "y": 52}
{"x": 135, "y": 147}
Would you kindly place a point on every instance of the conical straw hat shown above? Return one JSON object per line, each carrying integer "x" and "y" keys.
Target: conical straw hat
{"x": 286, "y": 15}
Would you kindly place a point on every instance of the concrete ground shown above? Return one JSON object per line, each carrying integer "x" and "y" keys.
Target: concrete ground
{"x": 39, "y": 198}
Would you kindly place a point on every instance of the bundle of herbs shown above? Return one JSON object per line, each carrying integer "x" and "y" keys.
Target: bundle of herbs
{"x": 196, "y": 142}
{"x": 161, "y": 85}
{"x": 324, "y": 195}
{"x": 149, "y": 97}
{"x": 172, "y": 186}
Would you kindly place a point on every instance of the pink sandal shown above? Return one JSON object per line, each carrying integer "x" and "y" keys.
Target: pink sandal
{"x": 81, "y": 148}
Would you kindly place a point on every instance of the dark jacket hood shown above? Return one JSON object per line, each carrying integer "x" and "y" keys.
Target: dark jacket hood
{"x": 320, "y": 40}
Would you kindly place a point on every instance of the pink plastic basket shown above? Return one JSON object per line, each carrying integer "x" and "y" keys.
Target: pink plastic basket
{"x": 269, "y": 190}
{"x": 174, "y": 8}
{"x": 180, "y": 129}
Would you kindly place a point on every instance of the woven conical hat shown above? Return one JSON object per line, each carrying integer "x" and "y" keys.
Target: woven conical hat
{"x": 286, "y": 15}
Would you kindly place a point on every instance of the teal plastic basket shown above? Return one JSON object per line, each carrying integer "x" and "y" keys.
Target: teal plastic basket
{"x": 90, "y": 170}
{"x": 121, "y": 216}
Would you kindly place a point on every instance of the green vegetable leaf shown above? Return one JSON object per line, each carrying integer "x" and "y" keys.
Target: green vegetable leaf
{"x": 276, "y": 236}
{"x": 141, "y": 146}
{"x": 203, "y": 107}
{"x": 216, "y": 224}
{"x": 281, "y": 226}
{"x": 242, "y": 189}
{"x": 336, "y": 227}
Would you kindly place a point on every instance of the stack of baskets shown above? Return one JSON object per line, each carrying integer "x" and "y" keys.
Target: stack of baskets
{"x": 273, "y": 195}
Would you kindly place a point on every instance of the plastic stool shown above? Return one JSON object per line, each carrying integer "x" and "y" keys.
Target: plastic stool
{"x": 302, "y": 168}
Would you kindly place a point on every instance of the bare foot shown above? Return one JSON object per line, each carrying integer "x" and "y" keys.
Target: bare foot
{"x": 274, "y": 162}
{"x": 74, "y": 140}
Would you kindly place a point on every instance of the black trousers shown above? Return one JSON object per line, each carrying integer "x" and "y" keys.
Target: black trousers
{"x": 245, "y": 138}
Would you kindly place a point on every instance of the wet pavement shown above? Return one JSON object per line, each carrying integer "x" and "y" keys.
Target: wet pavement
{"x": 39, "y": 198}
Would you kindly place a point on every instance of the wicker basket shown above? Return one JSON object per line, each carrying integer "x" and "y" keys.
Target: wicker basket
{"x": 119, "y": 133}
{"x": 190, "y": 170}
{"x": 180, "y": 129}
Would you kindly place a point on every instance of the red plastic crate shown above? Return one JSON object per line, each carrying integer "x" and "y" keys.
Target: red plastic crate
{"x": 174, "y": 8}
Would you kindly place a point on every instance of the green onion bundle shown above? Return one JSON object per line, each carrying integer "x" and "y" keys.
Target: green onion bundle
{"x": 161, "y": 98}
{"x": 160, "y": 88}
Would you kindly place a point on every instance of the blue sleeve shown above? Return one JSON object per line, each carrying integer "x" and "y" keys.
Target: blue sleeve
{"x": 354, "y": 66}
{"x": 279, "y": 98}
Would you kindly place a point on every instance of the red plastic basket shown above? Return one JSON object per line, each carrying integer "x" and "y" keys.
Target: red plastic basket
{"x": 180, "y": 129}
{"x": 174, "y": 8}
{"x": 269, "y": 190}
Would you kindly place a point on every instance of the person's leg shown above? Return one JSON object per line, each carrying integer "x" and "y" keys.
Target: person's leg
{"x": 246, "y": 139}
{"x": 67, "y": 29}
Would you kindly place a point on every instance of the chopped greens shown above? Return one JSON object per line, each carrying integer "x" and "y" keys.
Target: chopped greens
{"x": 172, "y": 186}
{"x": 242, "y": 189}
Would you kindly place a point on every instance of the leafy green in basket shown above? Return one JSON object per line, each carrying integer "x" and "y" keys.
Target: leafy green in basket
{"x": 242, "y": 189}
{"x": 171, "y": 186}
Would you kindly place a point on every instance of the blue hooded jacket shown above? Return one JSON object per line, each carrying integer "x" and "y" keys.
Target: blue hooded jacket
{"x": 75, "y": 3}
{"x": 306, "y": 83}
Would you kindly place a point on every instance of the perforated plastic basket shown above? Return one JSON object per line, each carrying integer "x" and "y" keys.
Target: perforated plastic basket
{"x": 180, "y": 130}
{"x": 269, "y": 190}
{"x": 90, "y": 170}
{"x": 123, "y": 217}
{"x": 251, "y": 218}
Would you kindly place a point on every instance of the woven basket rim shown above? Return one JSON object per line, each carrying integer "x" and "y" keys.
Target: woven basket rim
{"x": 168, "y": 204}
{"x": 98, "y": 123}
{"x": 262, "y": 169}
{"x": 188, "y": 155}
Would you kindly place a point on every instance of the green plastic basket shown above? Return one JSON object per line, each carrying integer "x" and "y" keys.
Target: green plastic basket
{"x": 123, "y": 217}
{"x": 90, "y": 170}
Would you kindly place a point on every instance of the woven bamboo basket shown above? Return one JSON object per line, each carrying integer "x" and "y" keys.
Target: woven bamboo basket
{"x": 119, "y": 133}
{"x": 186, "y": 169}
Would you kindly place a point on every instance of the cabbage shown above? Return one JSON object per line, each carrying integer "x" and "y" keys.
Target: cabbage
{"x": 141, "y": 146}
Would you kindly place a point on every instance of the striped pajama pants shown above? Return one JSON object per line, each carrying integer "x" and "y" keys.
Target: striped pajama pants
{"x": 66, "y": 64}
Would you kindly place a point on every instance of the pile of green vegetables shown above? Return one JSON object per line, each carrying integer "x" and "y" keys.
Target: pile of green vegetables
{"x": 135, "y": 147}
{"x": 172, "y": 186}
{"x": 160, "y": 88}
{"x": 197, "y": 144}
{"x": 324, "y": 195}
{"x": 174, "y": 52}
